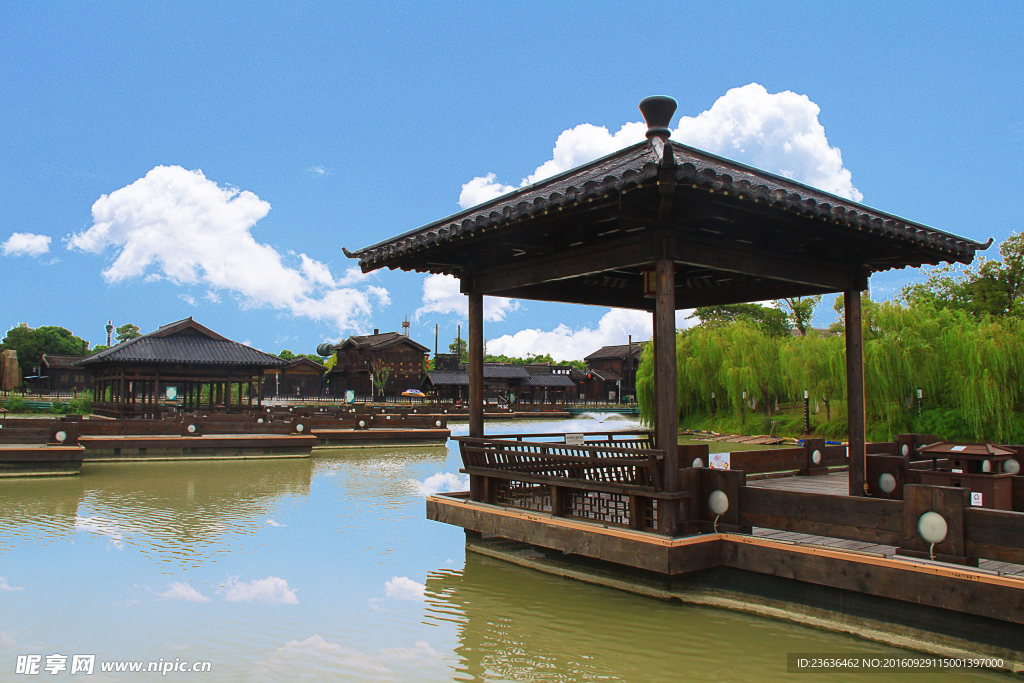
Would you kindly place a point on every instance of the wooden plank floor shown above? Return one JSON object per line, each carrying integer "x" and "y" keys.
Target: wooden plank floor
{"x": 837, "y": 484}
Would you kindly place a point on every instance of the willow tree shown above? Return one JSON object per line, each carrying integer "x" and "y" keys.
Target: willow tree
{"x": 816, "y": 364}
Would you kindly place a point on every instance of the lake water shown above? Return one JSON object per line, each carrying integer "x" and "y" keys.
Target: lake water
{"x": 326, "y": 569}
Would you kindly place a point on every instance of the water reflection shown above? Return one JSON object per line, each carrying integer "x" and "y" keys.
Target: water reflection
{"x": 183, "y": 513}
{"x": 518, "y": 624}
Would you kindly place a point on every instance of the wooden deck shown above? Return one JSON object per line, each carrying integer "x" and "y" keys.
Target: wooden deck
{"x": 837, "y": 484}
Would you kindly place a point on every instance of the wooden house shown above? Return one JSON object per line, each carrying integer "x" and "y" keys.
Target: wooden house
{"x": 59, "y": 374}
{"x": 358, "y": 355}
{"x": 297, "y": 377}
{"x": 612, "y": 375}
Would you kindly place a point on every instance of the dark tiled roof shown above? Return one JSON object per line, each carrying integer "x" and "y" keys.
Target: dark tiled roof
{"x": 606, "y": 375}
{"x": 502, "y": 371}
{"x": 616, "y": 352}
{"x": 639, "y": 165}
{"x": 549, "y": 381}
{"x": 448, "y": 377}
{"x": 295, "y": 362}
{"x": 186, "y": 342}
{"x": 60, "y": 361}
{"x": 379, "y": 341}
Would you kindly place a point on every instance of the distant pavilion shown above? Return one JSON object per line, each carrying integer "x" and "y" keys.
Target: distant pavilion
{"x": 181, "y": 361}
{"x": 661, "y": 226}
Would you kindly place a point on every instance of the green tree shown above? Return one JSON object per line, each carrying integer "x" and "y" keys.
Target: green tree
{"x": 988, "y": 287}
{"x": 286, "y": 355}
{"x": 774, "y": 321}
{"x": 461, "y": 347}
{"x": 31, "y": 344}
{"x": 801, "y": 310}
{"x": 126, "y": 332}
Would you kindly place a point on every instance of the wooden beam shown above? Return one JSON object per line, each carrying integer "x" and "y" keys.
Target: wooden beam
{"x": 855, "y": 389}
{"x": 623, "y": 253}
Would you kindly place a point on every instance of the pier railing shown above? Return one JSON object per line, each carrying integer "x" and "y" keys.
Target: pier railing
{"x": 602, "y": 481}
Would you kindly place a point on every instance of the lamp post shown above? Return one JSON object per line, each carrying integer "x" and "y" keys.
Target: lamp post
{"x": 807, "y": 412}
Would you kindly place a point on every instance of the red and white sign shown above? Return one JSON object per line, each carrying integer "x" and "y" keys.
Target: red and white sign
{"x": 976, "y": 499}
{"x": 719, "y": 461}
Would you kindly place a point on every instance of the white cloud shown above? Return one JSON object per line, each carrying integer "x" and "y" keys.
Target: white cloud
{"x": 113, "y": 530}
{"x": 269, "y": 591}
{"x": 188, "y": 298}
{"x": 271, "y": 522}
{"x": 403, "y": 588}
{"x": 442, "y": 481}
{"x": 175, "y": 224}
{"x": 316, "y": 659}
{"x": 26, "y": 244}
{"x": 4, "y": 586}
{"x": 441, "y": 295}
{"x": 182, "y": 591}
{"x": 778, "y": 132}
{"x": 565, "y": 343}
{"x": 482, "y": 189}
{"x": 318, "y": 171}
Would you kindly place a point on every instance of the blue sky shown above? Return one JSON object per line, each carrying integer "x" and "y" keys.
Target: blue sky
{"x": 317, "y": 126}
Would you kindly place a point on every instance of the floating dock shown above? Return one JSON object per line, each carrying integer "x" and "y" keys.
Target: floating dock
{"x": 36, "y": 460}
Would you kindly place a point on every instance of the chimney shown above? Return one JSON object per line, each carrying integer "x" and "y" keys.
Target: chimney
{"x": 405, "y": 326}
{"x": 376, "y": 331}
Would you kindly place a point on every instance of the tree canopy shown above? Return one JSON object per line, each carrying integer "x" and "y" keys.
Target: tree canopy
{"x": 774, "y": 321}
{"x": 31, "y": 344}
{"x": 126, "y": 332}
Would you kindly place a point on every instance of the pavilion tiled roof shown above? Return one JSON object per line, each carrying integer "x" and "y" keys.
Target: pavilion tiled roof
{"x": 638, "y": 165}
{"x": 185, "y": 342}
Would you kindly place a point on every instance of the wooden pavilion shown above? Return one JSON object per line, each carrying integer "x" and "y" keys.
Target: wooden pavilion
{"x": 183, "y": 364}
{"x": 661, "y": 226}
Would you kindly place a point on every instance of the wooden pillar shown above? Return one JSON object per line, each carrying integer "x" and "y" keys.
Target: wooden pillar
{"x": 476, "y": 364}
{"x": 666, "y": 401}
{"x": 855, "y": 389}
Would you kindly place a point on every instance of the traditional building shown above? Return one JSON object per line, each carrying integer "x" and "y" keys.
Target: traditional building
{"x": 183, "y": 364}
{"x": 297, "y": 377}
{"x": 505, "y": 383}
{"x": 58, "y": 373}
{"x": 402, "y": 359}
{"x": 612, "y": 375}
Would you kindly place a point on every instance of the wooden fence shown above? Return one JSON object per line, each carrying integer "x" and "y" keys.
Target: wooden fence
{"x": 605, "y": 482}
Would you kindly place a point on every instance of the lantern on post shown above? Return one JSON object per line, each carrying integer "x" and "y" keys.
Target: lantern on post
{"x": 650, "y": 282}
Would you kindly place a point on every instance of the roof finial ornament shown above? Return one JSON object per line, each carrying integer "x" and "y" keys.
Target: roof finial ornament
{"x": 658, "y": 111}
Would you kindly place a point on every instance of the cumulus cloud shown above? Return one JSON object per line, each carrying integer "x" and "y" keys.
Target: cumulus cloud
{"x": 565, "y": 343}
{"x": 404, "y": 588}
{"x": 4, "y": 586}
{"x": 181, "y": 591}
{"x": 26, "y": 244}
{"x": 177, "y": 225}
{"x": 442, "y": 481}
{"x": 268, "y": 591}
{"x": 441, "y": 295}
{"x": 777, "y": 132}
